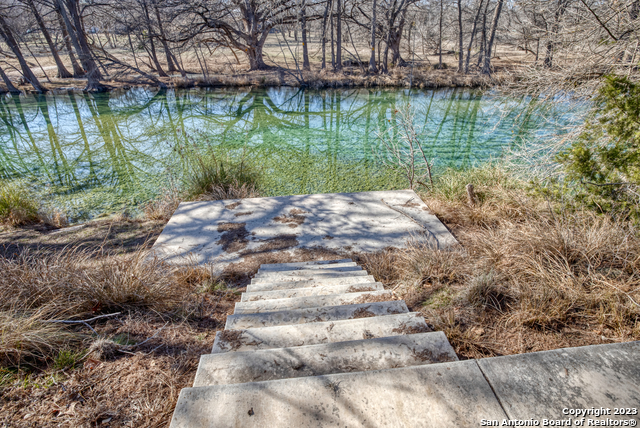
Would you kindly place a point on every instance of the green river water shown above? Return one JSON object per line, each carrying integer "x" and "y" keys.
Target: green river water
{"x": 94, "y": 154}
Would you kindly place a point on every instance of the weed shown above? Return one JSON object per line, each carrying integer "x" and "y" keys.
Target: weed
{"x": 67, "y": 359}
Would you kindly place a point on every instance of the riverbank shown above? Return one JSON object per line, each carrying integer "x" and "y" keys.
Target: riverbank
{"x": 420, "y": 77}
{"x": 530, "y": 275}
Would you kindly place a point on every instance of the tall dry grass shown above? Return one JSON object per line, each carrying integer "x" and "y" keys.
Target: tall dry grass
{"x": 529, "y": 275}
{"x": 76, "y": 284}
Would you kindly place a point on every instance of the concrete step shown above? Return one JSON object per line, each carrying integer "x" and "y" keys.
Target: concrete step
{"x": 311, "y": 291}
{"x": 333, "y": 266}
{"x": 314, "y": 360}
{"x": 307, "y": 272}
{"x": 306, "y": 283}
{"x": 304, "y": 264}
{"x": 307, "y": 315}
{"x": 312, "y": 301}
{"x": 452, "y": 394}
{"x": 302, "y": 275}
{"x": 314, "y": 333}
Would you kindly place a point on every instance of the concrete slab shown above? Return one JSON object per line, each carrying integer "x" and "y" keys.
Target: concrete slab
{"x": 307, "y": 315}
{"x": 306, "y": 272}
{"x": 302, "y": 275}
{"x": 314, "y": 333}
{"x": 314, "y": 263}
{"x": 431, "y": 396}
{"x": 311, "y": 301}
{"x": 311, "y": 291}
{"x": 541, "y": 384}
{"x": 286, "y": 285}
{"x": 315, "y": 360}
{"x": 305, "y": 267}
{"x": 223, "y": 232}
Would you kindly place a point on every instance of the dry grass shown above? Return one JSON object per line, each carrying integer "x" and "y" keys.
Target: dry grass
{"x": 120, "y": 370}
{"x": 163, "y": 207}
{"x": 528, "y": 277}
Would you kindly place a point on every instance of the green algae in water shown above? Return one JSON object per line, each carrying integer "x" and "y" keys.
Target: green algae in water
{"x": 93, "y": 154}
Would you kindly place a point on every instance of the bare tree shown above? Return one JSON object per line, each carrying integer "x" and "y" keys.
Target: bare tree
{"x": 7, "y": 34}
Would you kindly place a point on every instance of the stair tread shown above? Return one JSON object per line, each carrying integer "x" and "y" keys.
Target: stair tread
{"x": 305, "y": 283}
{"x": 314, "y": 333}
{"x": 311, "y": 301}
{"x": 264, "y": 269}
{"x": 433, "y": 395}
{"x": 306, "y": 315}
{"x": 309, "y": 263}
{"x": 328, "y": 358}
{"x": 301, "y": 275}
{"x": 310, "y": 291}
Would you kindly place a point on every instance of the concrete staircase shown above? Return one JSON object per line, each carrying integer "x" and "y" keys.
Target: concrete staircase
{"x": 322, "y": 345}
{"x": 306, "y": 320}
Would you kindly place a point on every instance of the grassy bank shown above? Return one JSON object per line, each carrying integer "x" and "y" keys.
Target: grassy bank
{"x": 530, "y": 274}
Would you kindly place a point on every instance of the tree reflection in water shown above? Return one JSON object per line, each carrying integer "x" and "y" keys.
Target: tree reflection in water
{"x": 105, "y": 152}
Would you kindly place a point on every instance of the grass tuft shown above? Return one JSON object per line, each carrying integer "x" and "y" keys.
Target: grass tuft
{"x": 17, "y": 206}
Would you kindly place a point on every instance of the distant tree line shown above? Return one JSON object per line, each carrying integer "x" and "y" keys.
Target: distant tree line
{"x": 97, "y": 39}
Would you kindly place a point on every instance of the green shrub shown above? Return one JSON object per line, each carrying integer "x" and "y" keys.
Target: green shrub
{"x": 17, "y": 205}
{"x": 605, "y": 160}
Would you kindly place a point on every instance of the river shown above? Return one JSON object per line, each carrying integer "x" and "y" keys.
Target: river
{"x": 90, "y": 154}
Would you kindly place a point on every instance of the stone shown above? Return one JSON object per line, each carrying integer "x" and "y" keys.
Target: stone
{"x": 306, "y": 283}
{"x": 223, "y": 232}
{"x": 314, "y": 360}
{"x": 305, "y": 272}
{"x": 265, "y": 268}
{"x": 431, "y": 396}
{"x": 307, "y": 315}
{"x": 540, "y": 385}
{"x": 311, "y": 301}
{"x": 306, "y": 275}
{"x": 286, "y": 336}
{"x": 311, "y": 291}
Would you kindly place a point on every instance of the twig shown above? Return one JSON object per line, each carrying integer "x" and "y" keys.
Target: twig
{"x": 85, "y": 322}
{"x": 148, "y": 339}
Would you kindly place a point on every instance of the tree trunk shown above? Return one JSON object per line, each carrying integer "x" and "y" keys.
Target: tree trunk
{"x": 256, "y": 62}
{"x": 324, "y": 36}
{"x": 473, "y": 35}
{"x": 548, "y": 59}
{"x": 303, "y": 27}
{"x": 171, "y": 66}
{"x": 460, "y": 42}
{"x": 7, "y": 35}
{"x": 77, "y": 69}
{"x": 333, "y": 53}
{"x": 62, "y": 70}
{"x": 79, "y": 39}
{"x": 486, "y": 69}
{"x": 372, "y": 59}
{"x": 151, "y": 35}
{"x": 440, "y": 36}
{"x": 339, "y": 36}
{"x": 12, "y": 89}
{"x": 483, "y": 36}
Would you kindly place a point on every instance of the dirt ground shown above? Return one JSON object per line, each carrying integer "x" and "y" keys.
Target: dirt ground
{"x": 114, "y": 236}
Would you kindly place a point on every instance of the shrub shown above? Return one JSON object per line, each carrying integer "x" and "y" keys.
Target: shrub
{"x": 605, "y": 159}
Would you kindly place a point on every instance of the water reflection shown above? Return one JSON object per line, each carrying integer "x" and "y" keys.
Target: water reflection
{"x": 100, "y": 153}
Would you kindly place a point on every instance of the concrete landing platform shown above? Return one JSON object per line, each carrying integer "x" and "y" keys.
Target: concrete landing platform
{"x": 226, "y": 231}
